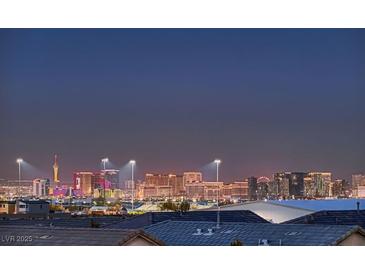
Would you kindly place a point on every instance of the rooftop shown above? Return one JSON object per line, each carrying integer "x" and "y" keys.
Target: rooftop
{"x": 62, "y": 221}
{"x": 36, "y": 236}
{"x": 7, "y": 202}
{"x": 135, "y": 222}
{"x": 333, "y": 217}
{"x": 34, "y": 201}
{"x": 178, "y": 233}
{"x": 234, "y": 216}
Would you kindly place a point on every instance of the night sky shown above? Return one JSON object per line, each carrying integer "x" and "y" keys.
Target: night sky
{"x": 261, "y": 100}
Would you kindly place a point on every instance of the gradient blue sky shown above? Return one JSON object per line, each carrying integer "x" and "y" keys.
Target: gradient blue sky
{"x": 261, "y": 100}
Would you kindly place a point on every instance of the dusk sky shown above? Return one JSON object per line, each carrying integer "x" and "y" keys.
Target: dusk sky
{"x": 261, "y": 100}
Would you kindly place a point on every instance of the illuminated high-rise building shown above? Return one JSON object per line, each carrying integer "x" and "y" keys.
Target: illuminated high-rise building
{"x": 112, "y": 176}
{"x": 192, "y": 177}
{"x": 83, "y": 182}
{"x": 252, "y": 188}
{"x": 322, "y": 182}
{"x": 358, "y": 183}
{"x": 290, "y": 184}
{"x": 55, "y": 171}
{"x": 157, "y": 179}
{"x": 41, "y": 187}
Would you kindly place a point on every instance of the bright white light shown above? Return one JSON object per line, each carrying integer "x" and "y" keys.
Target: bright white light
{"x": 19, "y": 160}
{"x": 104, "y": 160}
{"x": 217, "y": 161}
{"x": 132, "y": 162}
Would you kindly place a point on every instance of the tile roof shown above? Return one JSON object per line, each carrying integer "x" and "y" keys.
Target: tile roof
{"x": 34, "y": 202}
{"x": 84, "y": 222}
{"x": 230, "y": 216}
{"x": 177, "y": 233}
{"x": 61, "y": 236}
{"x": 333, "y": 217}
{"x": 7, "y": 202}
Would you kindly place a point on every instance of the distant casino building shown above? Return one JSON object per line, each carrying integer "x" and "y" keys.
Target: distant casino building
{"x": 296, "y": 184}
{"x": 162, "y": 186}
{"x": 262, "y": 192}
{"x": 83, "y": 182}
{"x": 290, "y": 184}
{"x": 212, "y": 190}
{"x": 235, "y": 191}
{"x": 98, "y": 181}
{"x": 14, "y": 188}
{"x": 358, "y": 185}
{"x": 112, "y": 176}
{"x": 310, "y": 187}
{"x": 252, "y": 188}
{"x": 273, "y": 189}
{"x": 190, "y": 186}
{"x": 41, "y": 187}
{"x": 177, "y": 185}
{"x": 339, "y": 188}
{"x": 195, "y": 190}
{"x": 321, "y": 182}
{"x": 282, "y": 181}
{"x": 192, "y": 177}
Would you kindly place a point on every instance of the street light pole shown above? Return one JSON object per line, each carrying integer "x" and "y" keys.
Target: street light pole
{"x": 218, "y": 162}
{"x": 19, "y": 161}
{"x": 104, "y": 161}
{"x": 132, "y": 162}
{"x": 218, "y": 171}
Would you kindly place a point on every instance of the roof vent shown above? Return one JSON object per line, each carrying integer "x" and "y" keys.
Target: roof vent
{"x": 210, "y": 232}
{"x": 263, "y": 242}
{"x": 198, "y": 231}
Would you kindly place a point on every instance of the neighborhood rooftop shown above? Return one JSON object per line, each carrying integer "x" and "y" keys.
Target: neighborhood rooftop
{"x": 332, "y": 217}
{"x": 83, "y": 222}
{"x": 208, "y": 216}
{"x": 177, "y": 233}
{"x": 138, "y": 221}
{"x": 61, "y": 236}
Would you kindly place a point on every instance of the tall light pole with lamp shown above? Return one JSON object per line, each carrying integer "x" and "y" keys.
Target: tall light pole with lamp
{"x": 19, "y": 161}
{"x": 132, "y": 163}
{"x": 104, "y": 161}
{"x": 218, "y": 162}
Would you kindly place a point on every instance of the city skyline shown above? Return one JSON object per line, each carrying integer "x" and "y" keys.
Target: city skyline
{"x": 208, "y": 171}
{"x": 263, "y": 101}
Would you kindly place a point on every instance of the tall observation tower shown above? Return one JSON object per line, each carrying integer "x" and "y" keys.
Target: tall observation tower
{"x": 55, "y": 170}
